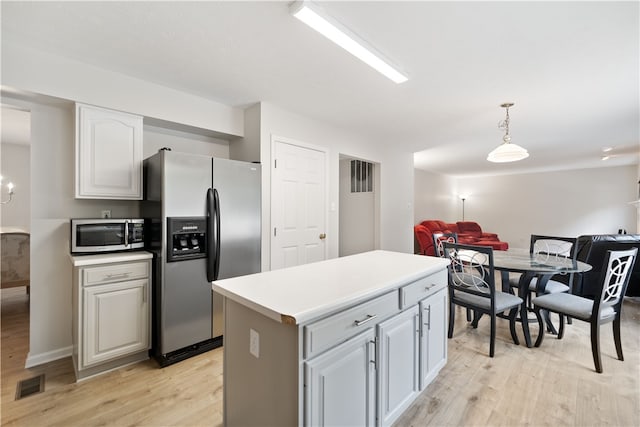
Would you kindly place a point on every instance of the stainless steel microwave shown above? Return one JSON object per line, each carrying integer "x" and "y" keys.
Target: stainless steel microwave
{"x": 106, "y": 235}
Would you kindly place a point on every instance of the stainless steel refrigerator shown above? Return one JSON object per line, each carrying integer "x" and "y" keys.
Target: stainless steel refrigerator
{"x": 203, "y": 219}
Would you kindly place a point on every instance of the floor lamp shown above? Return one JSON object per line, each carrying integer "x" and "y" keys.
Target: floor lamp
{"x": 463, "y": 198}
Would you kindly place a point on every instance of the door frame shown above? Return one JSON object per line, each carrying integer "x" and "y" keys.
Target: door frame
{"x": 376, "y": 198}
{"x": 275, "y": 139}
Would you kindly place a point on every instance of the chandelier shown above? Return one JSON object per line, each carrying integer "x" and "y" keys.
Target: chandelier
{"x": 10, "y": 190}
{"x": 507, "y": 152}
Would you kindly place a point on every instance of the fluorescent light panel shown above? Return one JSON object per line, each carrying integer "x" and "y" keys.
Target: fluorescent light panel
{"x": 311, "y": 15}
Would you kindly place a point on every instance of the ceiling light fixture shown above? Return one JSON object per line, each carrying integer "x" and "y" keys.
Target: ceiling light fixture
{"x": 507, "y": 152}
{"x": 313, "y": 16}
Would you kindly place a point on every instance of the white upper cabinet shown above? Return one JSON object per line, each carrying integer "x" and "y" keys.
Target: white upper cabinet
{"x": 108, "y": 154}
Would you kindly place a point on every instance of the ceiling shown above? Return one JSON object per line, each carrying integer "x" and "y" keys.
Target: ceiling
{"x": 571, "y": 68}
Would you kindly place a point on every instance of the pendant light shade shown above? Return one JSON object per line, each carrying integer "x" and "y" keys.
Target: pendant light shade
{"x": 507, "y": 152}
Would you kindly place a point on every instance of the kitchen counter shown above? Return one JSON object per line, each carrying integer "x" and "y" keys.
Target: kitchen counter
{"x": 301, "y": 340}
{"x": 298, "y": 294}
{"x": 108, "y": 258}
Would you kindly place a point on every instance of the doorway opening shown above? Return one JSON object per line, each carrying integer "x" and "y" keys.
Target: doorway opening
{"x": 15, "y": 225}
{"x": 359, "y": 201}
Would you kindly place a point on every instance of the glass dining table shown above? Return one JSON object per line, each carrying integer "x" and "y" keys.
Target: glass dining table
{"x": 530, "y": 265}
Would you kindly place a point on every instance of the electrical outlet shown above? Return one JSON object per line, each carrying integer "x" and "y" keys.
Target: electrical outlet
{"x": 106, "y": 214}
{"x": 254, "y": 343}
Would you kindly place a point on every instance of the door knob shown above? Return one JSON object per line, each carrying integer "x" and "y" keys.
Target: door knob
{"x": 323, "y": 236}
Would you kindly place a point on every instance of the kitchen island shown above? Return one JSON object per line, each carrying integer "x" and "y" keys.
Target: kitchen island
{"x": 347, "y": 341}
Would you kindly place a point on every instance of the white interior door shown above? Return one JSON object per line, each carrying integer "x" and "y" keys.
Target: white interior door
{"x": 298, "y": 205}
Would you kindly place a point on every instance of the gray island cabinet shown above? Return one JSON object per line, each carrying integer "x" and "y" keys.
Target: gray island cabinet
{"x": 349, "y": 341}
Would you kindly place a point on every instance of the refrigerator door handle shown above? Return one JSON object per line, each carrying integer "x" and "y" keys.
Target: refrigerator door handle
{"x": 211, "y": 236}
{"x": 216, "y": 200}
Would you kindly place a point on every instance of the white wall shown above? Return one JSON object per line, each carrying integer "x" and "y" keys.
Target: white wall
{"x": 247, "y": 148}
{"x": 40, "y": 72}
{"x": 435, "y": 198}
{"x": 15, "y": 167}
{"x": 52, "y": 204}
{"x": 396, "y": 176}
{"x": 569, "y": 203}
{"x": 156, "y": 138}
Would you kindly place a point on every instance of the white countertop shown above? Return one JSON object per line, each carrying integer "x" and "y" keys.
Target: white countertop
{"x": 299, "y": 294}
{"x": 13, "y": 230}
{"x": 82, "y": 260}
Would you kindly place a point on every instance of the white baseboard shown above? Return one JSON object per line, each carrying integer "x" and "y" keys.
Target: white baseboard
{"x": 49, "y": 356}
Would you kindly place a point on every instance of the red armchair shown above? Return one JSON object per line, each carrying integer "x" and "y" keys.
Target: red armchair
{"x": 423, "y": 239}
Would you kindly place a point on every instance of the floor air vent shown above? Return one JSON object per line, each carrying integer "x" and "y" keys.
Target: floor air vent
{"x": 31, "y": 386}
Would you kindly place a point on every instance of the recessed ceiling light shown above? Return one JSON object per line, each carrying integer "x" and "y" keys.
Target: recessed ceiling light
{"x": 313, "y": 16}
{"x": 605, "y": 157}
{"x": 606, "y": 149}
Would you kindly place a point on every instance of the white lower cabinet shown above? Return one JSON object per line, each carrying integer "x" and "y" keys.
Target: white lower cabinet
{"x": 433, "y": 338}
{"x": 112, "y": 317}
{"x": 398, "y": 339}
{"x": 340, "y": 383}
{"x": 116, "y": 320}
{"x": 372, "y": 378}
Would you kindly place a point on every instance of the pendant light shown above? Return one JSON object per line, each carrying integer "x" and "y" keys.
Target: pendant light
{"x": 507, "y": 152}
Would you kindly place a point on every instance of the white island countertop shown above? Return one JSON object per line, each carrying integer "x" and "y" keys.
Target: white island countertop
{"x": 299, "y": 294}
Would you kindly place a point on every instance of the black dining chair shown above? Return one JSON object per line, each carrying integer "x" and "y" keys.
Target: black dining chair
{"x": 439, "y": 238}
{"x": 472, "y": 285}
{"x": 547, "y": 247}
{"x": 606, "y": 307}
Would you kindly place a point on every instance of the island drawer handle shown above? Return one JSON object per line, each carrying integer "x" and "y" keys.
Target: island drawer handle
{"x": 369, "y": 318}
{"x": 426, "y": 288}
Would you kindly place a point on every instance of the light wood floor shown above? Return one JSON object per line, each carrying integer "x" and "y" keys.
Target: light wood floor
{"x": 552, "y": 385}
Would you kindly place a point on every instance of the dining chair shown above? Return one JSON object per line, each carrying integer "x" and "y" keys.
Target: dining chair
{"x": 439, "y": 238}
{"x": 606, "y": 307}
{"x": 472, "y": 285}
{"x": 546, "y": 247}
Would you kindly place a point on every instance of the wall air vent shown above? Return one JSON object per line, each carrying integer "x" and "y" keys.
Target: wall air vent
{"x": 361, "y": 177}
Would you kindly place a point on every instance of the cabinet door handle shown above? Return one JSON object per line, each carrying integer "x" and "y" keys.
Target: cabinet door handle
{"x": 428, "y": 324}
{"x": 117, "y": 276}
{"x": 369, "y": 318}
{"x": 427, "y": 288}
{"x": 374, "y": 354}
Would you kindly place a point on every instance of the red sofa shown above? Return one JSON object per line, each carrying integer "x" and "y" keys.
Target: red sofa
{"x": 469, "y": 233}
